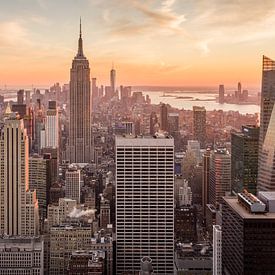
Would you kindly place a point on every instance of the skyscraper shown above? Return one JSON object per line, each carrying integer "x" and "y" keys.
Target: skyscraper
{"x": 145, "y": 203}
{"x": 153, "y": 122}
{"x": 80, "y": 108}
{"x": 199, "y": 122}
{"x": 221, "y": 94}
{"x": 247, "y": 235}
{"x": 164, "y": 117}
{"x": 244, "y": 159}
{"x": 173, "y": 124}
{"x": 205, "y": 180}
{"x": 217, "y": 250}
{"x": 51, "y": 127}
{"x": 94, "y": 93}
{"x": 113, "y": 80}
{"x": 39, "y": 178}
{"x": 18, "y": 206}
{"x": 219, "y": 175}
{"x": 266, "y": 170}
{"x": 28, "y": 98}
{"x": 20, "y": 97}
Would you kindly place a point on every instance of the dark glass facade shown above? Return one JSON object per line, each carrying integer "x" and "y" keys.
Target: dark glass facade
{"x": 248, "y": 240}
{"x": 266, "y": 172}
{"x": 244, "y": 159}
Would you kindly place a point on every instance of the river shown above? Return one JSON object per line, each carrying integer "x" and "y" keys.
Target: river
{"x": 186, "y": 100}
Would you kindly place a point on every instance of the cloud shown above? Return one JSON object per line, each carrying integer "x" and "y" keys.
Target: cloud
{"x": 167, "y": 68}
{"x": 42, "y": 4}
{"x": 13, "y": 33}
{"x": 203, "y": 46}
{"x": 162, "y": 17}
{"x": 166, "y": 5}
{"x": 106, "y": 16}
{"x": 129, "y": 28}
{"x": 41, "y": 20}
{"x": 144, "y": 18}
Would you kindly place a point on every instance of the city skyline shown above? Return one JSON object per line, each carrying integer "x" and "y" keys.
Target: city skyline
{"x": 149, "y": 150}
{"x": 165, "y": 43}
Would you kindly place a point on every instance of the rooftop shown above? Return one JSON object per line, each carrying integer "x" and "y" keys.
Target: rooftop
{"x": 222, "y": 151}
{"x": 211, "y": 207}
{"x": 160, "y": 139}
{"x": 244, "y": 213}
{"x": 268, "y": 195}
{"x": 19, "y": 239}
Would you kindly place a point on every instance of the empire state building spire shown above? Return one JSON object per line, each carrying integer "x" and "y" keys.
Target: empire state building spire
{"x": 80, "y": 145}
{"x": 80, "y": 43}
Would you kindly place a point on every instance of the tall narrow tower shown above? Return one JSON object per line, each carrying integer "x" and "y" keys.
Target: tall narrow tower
{"x": 80, "y": 108}
{"x": 199, "y": 124}
{"x": 113, "y": 80}
{"x": 52, "y": 138}
{"x": 164, "y": 117}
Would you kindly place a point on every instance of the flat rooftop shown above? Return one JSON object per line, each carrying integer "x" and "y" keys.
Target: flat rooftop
{"x": 235, "y": 205}
{"x": 147, "y": 141}
{"x": 268, "y": 195}
{"x": 194, "y": 264}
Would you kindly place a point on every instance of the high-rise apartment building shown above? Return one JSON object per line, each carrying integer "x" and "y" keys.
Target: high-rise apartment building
{"x": 72, "y": 183}
{"x": 145, "y": 203}
{"x": 80, "y": 108}
{"x": 51, "y": 126}
{"x": 244, "y": 159}
{"x": 266, "y": 172}
{"x": 219, "y": 175}
{"x": 217, "y": 250}
{"x": 199, "y": 124}
{"x": 247, "y": 235}
{"x": 18, "y": 206}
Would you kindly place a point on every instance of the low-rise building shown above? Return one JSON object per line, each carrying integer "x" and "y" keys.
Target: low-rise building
{"x": 64, "y": 239}
{"x": 21, "y": 255}
{"x": 86, "y": 262}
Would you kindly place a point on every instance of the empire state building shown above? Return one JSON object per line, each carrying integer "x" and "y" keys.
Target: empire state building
{"x": 80, "y": 108}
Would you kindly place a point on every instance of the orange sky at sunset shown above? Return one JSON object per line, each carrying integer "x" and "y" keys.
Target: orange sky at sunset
{"x": 169, "y": 42}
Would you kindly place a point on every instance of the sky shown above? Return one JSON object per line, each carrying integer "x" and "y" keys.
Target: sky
{"x": 150, "y": 42}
